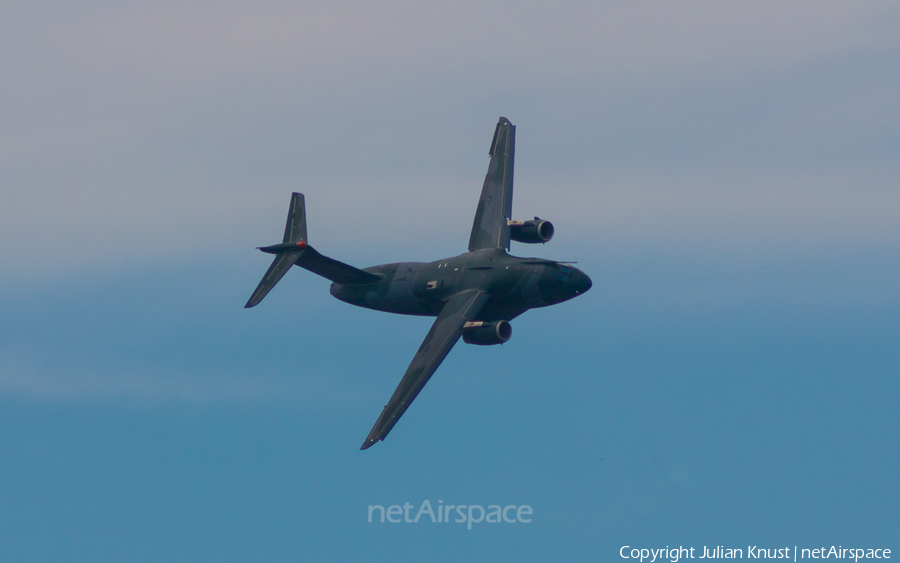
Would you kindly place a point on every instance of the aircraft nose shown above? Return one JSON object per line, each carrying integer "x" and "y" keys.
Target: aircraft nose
{"x": 580, "y": 282}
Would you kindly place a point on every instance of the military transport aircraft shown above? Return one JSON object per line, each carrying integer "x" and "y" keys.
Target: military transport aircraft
{"x": 473, "y": 295}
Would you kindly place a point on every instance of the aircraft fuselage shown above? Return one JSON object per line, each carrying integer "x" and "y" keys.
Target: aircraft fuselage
{"x": 421, "y": 288}
{"x": 473, "y": 295}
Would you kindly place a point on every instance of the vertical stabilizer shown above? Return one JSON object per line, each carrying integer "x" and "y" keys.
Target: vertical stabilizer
{"x": 295, "y": 228}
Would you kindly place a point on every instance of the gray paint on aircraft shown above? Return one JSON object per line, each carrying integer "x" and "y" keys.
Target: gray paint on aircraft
{"x": 484, "y": 285}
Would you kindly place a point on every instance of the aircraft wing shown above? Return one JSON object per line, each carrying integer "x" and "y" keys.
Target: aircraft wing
{"x": 490, "y": 229}
{"x": 444, "y": 333}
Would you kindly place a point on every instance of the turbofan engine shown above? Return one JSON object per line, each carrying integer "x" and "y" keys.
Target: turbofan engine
{"x": 486, "y": 334}
{"x": 531, "y": 232}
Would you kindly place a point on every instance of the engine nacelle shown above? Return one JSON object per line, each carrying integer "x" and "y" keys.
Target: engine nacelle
{"x": 487, "y": 334}
{"x": 531, "y": 232}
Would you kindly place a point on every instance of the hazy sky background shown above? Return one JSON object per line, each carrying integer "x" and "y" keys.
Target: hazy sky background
{"x": 727, "y": 174}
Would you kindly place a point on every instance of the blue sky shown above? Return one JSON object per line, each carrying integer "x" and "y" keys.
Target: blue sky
{"x": 726, "y": 174}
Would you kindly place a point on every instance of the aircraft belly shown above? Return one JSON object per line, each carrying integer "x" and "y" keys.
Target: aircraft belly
{"x": 391, "y": 294}
{"x": 502, "y": 309}
{"x": 438, "y": 281}
{"x": 530, "y": 291}
{"x": 400, "y": 299}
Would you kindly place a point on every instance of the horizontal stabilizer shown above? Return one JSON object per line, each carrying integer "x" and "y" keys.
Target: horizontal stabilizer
{"x": 276, "y": 271}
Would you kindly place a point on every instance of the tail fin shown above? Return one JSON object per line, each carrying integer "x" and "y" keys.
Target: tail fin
{"x": 295, "y": 250}
{"x": 295, "y": 229}
{"x": 287, "y": 252}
